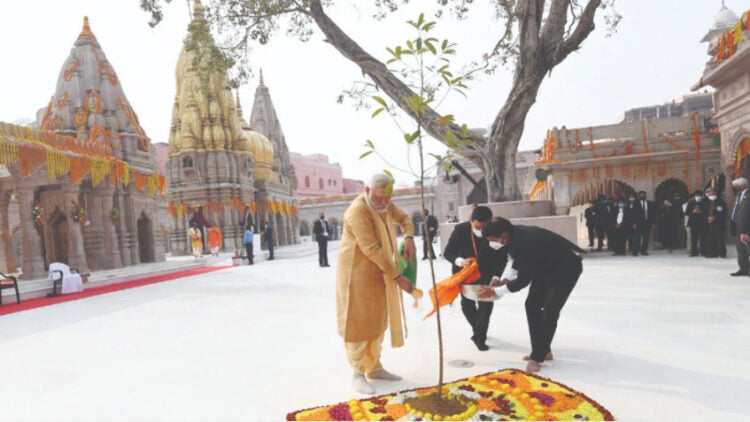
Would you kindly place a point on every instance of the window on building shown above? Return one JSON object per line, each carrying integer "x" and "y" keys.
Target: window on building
{"x": 307, "y": 181}
{"x": 451, "y": 206}
{"x": 187, "y": 162}
{"x": 320, "y": 183}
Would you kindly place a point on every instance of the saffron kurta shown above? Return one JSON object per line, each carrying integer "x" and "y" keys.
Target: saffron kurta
{"x": 214, "y": 237}
{"x": 367, "y": 298}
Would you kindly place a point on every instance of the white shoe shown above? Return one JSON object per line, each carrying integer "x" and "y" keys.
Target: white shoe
{"x": 360, "y": 384}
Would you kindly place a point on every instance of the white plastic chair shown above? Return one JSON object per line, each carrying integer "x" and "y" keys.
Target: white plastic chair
{"x": 70, "y": 279}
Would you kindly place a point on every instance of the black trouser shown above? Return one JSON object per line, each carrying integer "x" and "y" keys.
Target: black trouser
{"x": 270, "y": 250}
{"x": 547, "y": 296}
{"x": 599, "y": 236}
{"x": 634, "y": 240}
{"x": 591, "y": 236}
{"x": 249, "y": 250}
{"x": 743, "y": 257}
{"x": 713, "y": 238}
{"x": 323, "y": 252}
{"x": 696, "y": 237}
{"x": 616, "y": 240}
{"x": 428, "y": 245}
{"x": 645, "y": 230}
{"x": 477, "y": 313}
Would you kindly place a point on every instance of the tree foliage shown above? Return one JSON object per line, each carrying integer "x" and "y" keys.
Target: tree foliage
{"x": 537, "y": 35}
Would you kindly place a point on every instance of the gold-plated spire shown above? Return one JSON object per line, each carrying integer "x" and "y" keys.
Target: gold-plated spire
{"x": 198, "y": 10}
{"x": 261, "y": 76}
{"x": 86, "y": 31}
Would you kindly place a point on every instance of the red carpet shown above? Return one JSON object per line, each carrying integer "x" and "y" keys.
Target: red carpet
{"x": 10, "y": 306}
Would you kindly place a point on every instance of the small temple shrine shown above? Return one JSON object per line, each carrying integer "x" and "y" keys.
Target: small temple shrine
{"x": 82, "y": 188}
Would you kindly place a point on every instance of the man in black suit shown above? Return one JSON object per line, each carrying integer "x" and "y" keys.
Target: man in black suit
{"x": 590, "y": 216}
{"x": 429, "y": 234}
{"x": 741, "y": 225}
{"x": 635, "y": 222}
{"x": 547, "y": 261}
{"x": 697, "y": 224}
{"x": 648, "y": 212}
{"x": 320, "y": 229}
{"x": 467, "y": 241}
{"x": 268, "y": 236}
{"x": 715, "y": 209}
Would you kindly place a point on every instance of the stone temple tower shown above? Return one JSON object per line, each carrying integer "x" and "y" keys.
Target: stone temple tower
{"x": 278, "y": 190}
{"x": 210, "y": 166}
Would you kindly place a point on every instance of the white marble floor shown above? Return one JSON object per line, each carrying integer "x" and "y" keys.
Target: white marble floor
{"x": 656, "y": 338}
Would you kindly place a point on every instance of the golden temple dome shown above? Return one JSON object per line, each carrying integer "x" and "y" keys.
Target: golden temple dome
{"x": 262, "y": 150}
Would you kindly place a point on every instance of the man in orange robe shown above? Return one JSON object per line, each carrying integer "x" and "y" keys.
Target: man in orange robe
{"x": 214, "y": 239}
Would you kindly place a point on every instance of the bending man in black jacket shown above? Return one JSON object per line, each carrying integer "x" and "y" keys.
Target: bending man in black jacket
{"x": 467, "y": 241}
{"x": 547, "y": 261}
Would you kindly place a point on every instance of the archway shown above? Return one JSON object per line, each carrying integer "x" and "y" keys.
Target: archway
{"x": 609, "y": 188}
{"x": 145, "y": 239}
{"x": 417, "y": 219}
{"x": 334, "y": 231}
{"x": 742, "y": 159}
{"x": 58, "y": 242}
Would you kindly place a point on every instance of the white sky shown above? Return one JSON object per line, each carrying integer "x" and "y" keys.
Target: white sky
{"x": 655, "y": 57}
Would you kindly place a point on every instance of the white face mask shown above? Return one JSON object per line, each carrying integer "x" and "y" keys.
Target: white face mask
{"x": 477, "y": 232}
{"x": 698, "y": 198}
{"x": 496, "y": 245}
{"x": 712, "y": 197}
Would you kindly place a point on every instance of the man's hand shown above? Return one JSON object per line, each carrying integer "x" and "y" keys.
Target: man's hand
{"x": 497, "y": 283}
{"x": 486, "y": 293}
{"x": 744, "y": 238}
{"x": 404, "y": 283}
{"x": 410, "y": 250}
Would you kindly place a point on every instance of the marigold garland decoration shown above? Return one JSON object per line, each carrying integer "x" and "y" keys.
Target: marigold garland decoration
{"x": 37, "y": 213}
{"x": 504, "y": 395}
{"x": 78, "y": 213}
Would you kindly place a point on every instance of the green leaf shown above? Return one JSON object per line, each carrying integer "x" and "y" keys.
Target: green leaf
{"x": 431, "y": 47}
{"x": 428, "y": 26}
{"x": 378, "y": 111}
{"x": 380, "y": 100}
{"x": 365, "y": 154}
{"x": 369, "y": 144}
{"x": 421, "y": 19}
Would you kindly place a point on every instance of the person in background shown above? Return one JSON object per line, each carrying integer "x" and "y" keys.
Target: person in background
{"x": 635, "y": 221}
{"x": 649, "y": 213}
{"x": 619, "y": 221}
{"x": 214, "y": 239}
{"x": 320, "y": 229}
{"x": 429, "y": 234}
{"x": 741, "y": 224}
{"x": 247, "y": 240}
{"x": 602, "y": 221}
{"x": 467, "y": 241}
{"x": 268, "y": 237}
{"x": 196, "y": 240}
{"x": 696, "y": 223}
{"x": 715, "y": 209}
{"x": 368, "y": 281}
{"x": 550, "y": 265}
{"x": 590, "y": 216}
{"x": 670, "y": 222}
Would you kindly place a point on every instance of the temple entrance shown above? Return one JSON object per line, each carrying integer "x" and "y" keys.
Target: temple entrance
{"x": 742, "y": 159}
{"x": 145, "y": 239}
{"x": 608, "y": 188}
{"x": 58, "y": 251}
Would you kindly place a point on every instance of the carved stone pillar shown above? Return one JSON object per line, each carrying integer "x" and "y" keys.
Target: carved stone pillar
{"x": 104, "y": 199}
{"x": 76, "y": 251}
{"x": 33, "y": 264}
{"x": 7, "y": 259}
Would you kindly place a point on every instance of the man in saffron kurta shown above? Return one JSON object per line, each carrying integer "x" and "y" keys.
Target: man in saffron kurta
{"x": 214, "y": 239}
{"x": 368, "y": 282}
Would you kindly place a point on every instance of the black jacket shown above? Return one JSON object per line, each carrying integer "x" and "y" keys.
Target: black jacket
{"x": 491, "y": 262}
{"x": 539, "y": 254}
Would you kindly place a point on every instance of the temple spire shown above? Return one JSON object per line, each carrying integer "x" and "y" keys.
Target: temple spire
{"x": 86, "y": 30}
{"x": 198, "y": 10}
{"x": 261, "y": 76}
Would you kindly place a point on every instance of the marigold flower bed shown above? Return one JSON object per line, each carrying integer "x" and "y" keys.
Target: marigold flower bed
{"x": 509, "y": 394}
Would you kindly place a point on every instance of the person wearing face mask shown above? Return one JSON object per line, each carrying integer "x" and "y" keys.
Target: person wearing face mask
{"x": 715, "y": 209}
{"x": 368, "y": 280}
{"x": 635, "y": 222}
{"x": 467, "y": 241}
{"x": 547, "y": 262}
{"x": 670, "y": 222}
{"x": 619, "y": 221}
{"x": 696, "y": 223}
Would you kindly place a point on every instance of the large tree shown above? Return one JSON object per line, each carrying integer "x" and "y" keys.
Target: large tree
{"x": 537, "y": 36}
